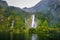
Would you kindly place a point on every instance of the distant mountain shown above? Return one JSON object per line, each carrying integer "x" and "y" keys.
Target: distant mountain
{"x": 43, "y": 5}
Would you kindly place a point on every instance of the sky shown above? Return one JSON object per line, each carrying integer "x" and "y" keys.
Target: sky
{"x": 22, "y": 3}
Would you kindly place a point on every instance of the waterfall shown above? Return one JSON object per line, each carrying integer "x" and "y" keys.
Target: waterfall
{"x": 11, "y": 34}
{"x": 33, "y": 21}
{"x": 12, "y": 24}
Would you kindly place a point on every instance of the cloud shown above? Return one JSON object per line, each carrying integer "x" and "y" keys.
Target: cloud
{"x": 22, "y": 3}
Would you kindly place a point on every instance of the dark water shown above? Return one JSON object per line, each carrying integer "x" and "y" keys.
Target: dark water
{"x": 11, "y": 36}
{"x": 4, "y": 36}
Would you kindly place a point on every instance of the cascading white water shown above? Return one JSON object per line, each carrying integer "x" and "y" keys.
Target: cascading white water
{"x": 33, "y": 17}
{"x": 12, "y": 24}
{"x": 33, "y": 21}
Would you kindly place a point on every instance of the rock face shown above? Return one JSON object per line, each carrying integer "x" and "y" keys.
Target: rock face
{"x": 3, "y": 4}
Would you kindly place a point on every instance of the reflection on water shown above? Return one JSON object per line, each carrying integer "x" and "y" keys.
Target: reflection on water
{"x": 34, "y": 37}
{"x": 5, "y": 36}
{"x": 8, "y": 36}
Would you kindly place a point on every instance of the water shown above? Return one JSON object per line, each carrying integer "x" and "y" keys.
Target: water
{"x": 34, "y": 37}
{"x": 34, "y": 23}
{"x": 7, "y": 36}
{"x": 12, "y": 24}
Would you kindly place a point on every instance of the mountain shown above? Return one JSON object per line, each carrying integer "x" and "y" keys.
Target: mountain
{"x": 9, "y": 13}
{"x": 43, "y": 5}
{"x": 50, "y": 10}
{"x": 51, "y": 7}
{"x": 3, "y": 4}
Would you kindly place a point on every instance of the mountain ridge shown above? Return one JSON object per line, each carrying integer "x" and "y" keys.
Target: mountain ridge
{"x": 43, "y": 5}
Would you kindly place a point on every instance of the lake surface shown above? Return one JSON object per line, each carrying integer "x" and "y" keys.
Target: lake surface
{"x": 11, "y": 36}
